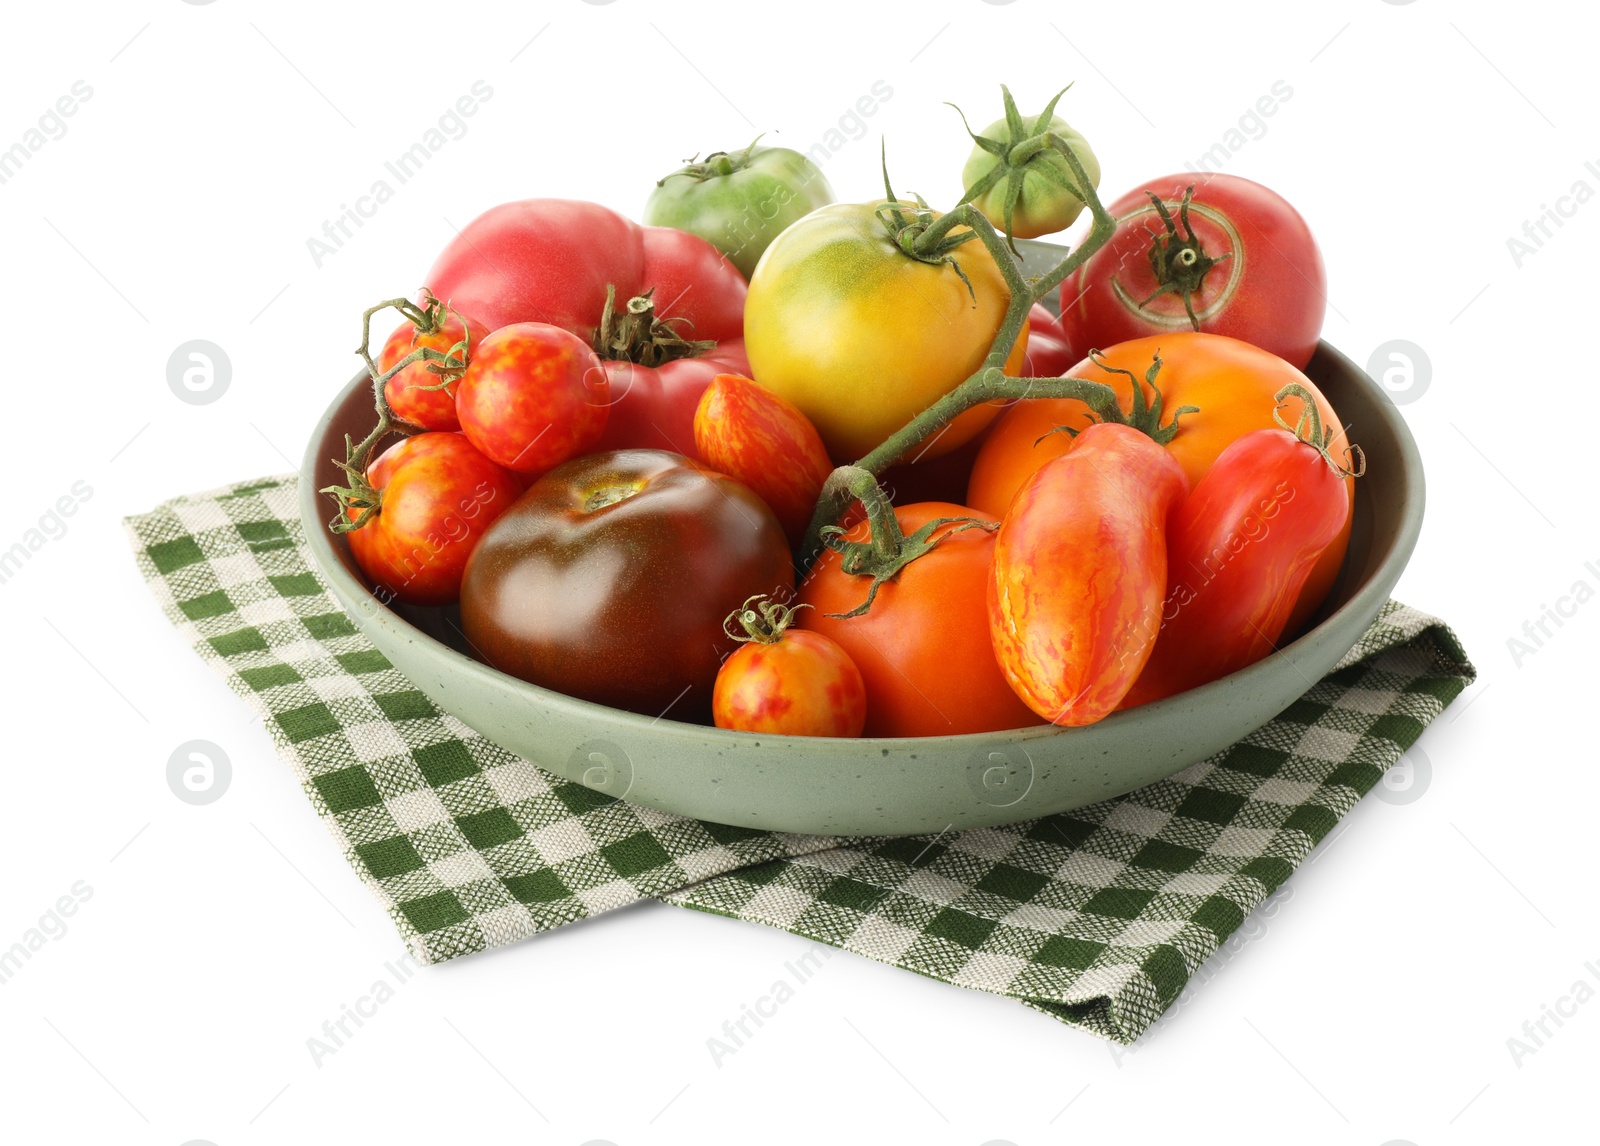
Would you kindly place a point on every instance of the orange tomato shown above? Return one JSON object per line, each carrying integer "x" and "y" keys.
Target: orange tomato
{"x": 923, "y": 647}
{"x": 748, "y": 432}
{"x": 1232, "y": 383}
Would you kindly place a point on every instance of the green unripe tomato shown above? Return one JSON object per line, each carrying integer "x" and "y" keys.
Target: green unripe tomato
{"x": 1044, "y": 205}
{"x": 740, "y": 202}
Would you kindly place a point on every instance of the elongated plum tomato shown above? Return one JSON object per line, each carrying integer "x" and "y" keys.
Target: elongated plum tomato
{"x": 1080, "y": 568}
{"x": 1239, "y": 550}
{"x": 923, "y": 647}
{"x": 748, "y": 432}
{"x": 419, "y": 395}
{"x": 788, "y": 681}
{"x": 439, "y": 496}
{"x": 1239, "y": 257}
{"x": 610, "y": 579}
{"x": 532, "y": 397}
{"x": 1232, "y": 382}
{"x": 862, "y": 337}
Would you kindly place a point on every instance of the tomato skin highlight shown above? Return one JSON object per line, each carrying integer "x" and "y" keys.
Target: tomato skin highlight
{"x": 610, "y": 579}
{"x": 1080, "y": 569}
{"x": 745, "y": 430}
{"x": 653, "y": 408}
{"x": 533, "y": 396}
{"x": 802, "y": 684}
{"x": 439, "y": 496}
{"x": 1239, "y": 550}
{"x": 923, "y": 648}
{"x": 410, "y": 393}
{"x": 1271, "y": 292}
{"x": 1232, "y": 382}
{"x": 861, "y": 337}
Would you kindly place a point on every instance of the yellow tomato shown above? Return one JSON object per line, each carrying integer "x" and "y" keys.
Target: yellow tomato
{"x": 863, "y": 337}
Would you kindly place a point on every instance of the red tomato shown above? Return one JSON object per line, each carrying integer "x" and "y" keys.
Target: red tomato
{"x": 417, "y": 394}
{"x": 439, "y": 496}
{"x": 1080, "y": 567}
{"x": 1240, "y": 259}
{"x": 532, "y": 397}
{"x": 1239, "y": 550}
{"x": 652, "y": 407}
{"x": 787, "y": 681}
{"x": 610, "y": 580}
{"x": 923, "y": 647}
{"x": 1049, "y": 350}
{"x": 551, "y": 260}
{"x": 748, "y": 432}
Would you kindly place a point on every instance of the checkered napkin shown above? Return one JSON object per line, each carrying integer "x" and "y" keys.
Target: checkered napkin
{"x": 1097, "y": 917}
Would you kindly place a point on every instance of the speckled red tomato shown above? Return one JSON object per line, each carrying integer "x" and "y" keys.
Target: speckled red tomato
{"x": 800, "y": 684}
{"x": 439, "y": 496}
{"x": 747, "y": 431}
{"x": 533, "y": 396}
{"x": 415, "y": 393}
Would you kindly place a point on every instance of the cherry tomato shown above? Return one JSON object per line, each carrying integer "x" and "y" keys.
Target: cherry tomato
{"x": 1080, "y": 567}
{"x": 787, "y": 681}
{"x": 923, "y": 645}
{"x": 862, "y": 337}
{"x": 611, "y": 577}
{"x": 1236, "y": 260}
{"x": 1239, "y": 550}
{"x": 750, "y": 433}
{"x": 532, "y": 397}
{"x": 417, "y": 394}
{"x": 439, "y": 496}
{"x": 1233, "y": 384}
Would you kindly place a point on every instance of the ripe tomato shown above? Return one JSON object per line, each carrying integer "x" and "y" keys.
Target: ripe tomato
{"x": 1080, "y": 568}
{"x": 1239, "y": 550}
{"x": 1232, "y": 382}
{"x": 1239, "y": 260}
{"x": 861, "y": 337}
{"x": 923, "y": 646}
{"x": 1049, "y": 350}
{"x": 417, "y": 394}
{"x": 610, "y": 579}
{"x": 532, "y": 397}
{"x": 748, "y": 432}
{"x": 439, "y": 496}
{"x": 740, "y": 201}
{"x": 552, "y": 260}
{"x": 652, "y": 407}
{"x": 787, "y": 681}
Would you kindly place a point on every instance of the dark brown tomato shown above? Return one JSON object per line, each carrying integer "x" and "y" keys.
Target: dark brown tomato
{"x": 610, "y": 578}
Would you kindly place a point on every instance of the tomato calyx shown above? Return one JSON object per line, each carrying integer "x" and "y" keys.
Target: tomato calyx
{"x": 1025, "y": 151}
{"x": 1143, "y": 415}
{"x": 914, "y": 231}
{"x": 1310, "y": 430}
{"x": 359, "y": 501}
{"x": 887, "y": 550}
{"x": 634, "y": 333}
{"x": 760, "y": 620}
{"x": 717, "y": 165}
{"x": 1179, "y": 261}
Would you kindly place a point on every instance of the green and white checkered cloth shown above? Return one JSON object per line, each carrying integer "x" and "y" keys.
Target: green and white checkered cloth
{"x": 1097, "y": 917}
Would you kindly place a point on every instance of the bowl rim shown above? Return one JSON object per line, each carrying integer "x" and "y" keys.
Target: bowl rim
{"x": 350, "y": 591}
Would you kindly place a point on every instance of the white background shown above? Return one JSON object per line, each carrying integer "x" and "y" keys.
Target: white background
{"x": 1374, "y": 1005}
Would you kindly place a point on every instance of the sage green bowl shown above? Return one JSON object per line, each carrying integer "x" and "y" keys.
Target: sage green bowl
{"x": 888, "y": 786}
